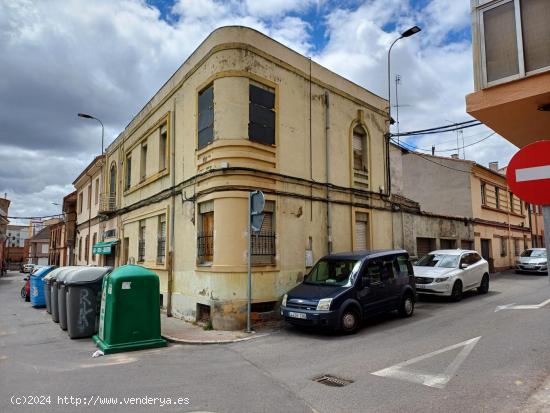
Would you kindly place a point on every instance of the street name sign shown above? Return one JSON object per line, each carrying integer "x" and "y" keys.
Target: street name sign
{"x": 528, "y": 173}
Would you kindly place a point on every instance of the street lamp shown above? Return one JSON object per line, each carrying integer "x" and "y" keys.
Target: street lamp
{"x": 406, "y": 33}
{"x": 84, "y": 115}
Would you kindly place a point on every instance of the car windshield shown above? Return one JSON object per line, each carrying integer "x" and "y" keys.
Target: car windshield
{"x": 333, "y": 272}
{"x": 534, "y": 253}
{"x": 438, "y": 260}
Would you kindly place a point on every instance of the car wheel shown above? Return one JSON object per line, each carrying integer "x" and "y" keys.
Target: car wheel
{"x": 456, "y": 294}
{"x": 406, "y": 308}
{"x": 24, "y": 293}
{"x": 349, "y": 322}
{"x": 484, "y": 286}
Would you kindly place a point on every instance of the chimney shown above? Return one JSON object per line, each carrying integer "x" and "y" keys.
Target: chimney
{"x": 454, "y": 156}
{"x": 493, "y": 166}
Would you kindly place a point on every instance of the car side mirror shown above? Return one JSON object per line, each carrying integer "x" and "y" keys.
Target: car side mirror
{"x": 463, "y": 266}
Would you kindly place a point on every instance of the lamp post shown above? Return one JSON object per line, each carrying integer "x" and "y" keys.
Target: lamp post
{"x": 86, "y": 116}
{"x": 406, "y": 33}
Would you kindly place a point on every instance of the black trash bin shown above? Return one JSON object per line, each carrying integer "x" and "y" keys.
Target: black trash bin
{"x": 83, "y": 300}
{"x": 48, "y": 280}
{"x": 54, "y": 291}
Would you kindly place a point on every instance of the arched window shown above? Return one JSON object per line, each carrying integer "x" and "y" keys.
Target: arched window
{"x": 360, "y": 149}
{"x": 112, "y": 181}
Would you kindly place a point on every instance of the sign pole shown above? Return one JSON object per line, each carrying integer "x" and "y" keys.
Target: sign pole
{"x": 546, "y": 216}
{"x": 249, "y": 264}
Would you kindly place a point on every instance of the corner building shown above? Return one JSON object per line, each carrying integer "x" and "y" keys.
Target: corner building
{"x": 244, "y": 113}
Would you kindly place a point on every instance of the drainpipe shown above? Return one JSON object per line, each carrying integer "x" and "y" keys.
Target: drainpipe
{"x": 172, "y": 212}
{"x": 89, "y": 220}
{"x": 327, "y": 161}
{"x": 530, "y": 223}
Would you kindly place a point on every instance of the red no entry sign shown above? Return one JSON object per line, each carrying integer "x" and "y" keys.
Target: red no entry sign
{"x": 528, "y": 173}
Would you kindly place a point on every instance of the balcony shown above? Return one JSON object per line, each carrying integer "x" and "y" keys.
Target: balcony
{"x": 107, "y": 204}
{"x": 512, "y": 68}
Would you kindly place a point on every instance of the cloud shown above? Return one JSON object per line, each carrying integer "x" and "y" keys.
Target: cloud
{"x": 108, "y": 59}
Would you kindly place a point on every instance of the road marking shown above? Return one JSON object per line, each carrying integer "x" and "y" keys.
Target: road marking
{"x": 440, "y": 380}
{"x": 533, "y": 174}
{"x": 522, "y": 307}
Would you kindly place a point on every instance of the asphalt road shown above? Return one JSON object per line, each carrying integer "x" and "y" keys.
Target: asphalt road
{"x": 504, "y": 357}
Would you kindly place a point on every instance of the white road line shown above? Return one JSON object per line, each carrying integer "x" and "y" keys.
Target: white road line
{"x": 398, "y": 371}
{"x": 522, "y": 307}
{"x": 533, "y": 174}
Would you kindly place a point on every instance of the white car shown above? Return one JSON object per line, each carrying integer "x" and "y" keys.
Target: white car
{"x": 532, "y": 260}
{"x": 451, "y": 272}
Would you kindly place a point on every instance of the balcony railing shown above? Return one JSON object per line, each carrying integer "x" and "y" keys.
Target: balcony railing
{"x": 107, "y": 203}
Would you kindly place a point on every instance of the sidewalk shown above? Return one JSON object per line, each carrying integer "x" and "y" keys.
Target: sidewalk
{"x": 539, "y": 402}
{"x": 183, "y": 332}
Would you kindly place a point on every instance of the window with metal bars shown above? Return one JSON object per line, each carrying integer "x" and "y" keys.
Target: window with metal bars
{"x": 205, "y": 234}
{"x": 161, "y": 239}
{"x": 141, "y": 242}
{"x": 263, "y": 242}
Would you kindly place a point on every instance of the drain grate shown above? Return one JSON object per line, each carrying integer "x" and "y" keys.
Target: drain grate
{"x": 332, "y": 381}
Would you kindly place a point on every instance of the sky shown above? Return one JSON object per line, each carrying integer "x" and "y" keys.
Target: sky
{"x": 108, "y": 58}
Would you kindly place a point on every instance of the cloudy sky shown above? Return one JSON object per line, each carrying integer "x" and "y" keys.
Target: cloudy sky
{"x": 107, "y": 58}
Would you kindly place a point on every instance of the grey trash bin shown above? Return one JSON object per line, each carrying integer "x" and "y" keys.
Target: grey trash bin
{"x": 62, "y": 295}
{"x": 83, "y": 300}
{"x": 48, "y": 279}
{"x": 54, "y": 290}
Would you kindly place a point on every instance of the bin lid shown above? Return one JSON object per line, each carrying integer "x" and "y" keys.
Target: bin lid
{"x": 132, "y": 271}
{"x": 85, "y": 275}
{"x": 52, "y": 275}
{"x": 42, "y": 272}
{"x": 61, "y": 272}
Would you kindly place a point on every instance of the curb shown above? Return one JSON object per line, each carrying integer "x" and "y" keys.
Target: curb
{"x": 206, "y": 342}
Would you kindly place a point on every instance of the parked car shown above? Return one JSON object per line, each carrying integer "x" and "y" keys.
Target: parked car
{"x": 26, "y": 289}
{"x": 343, "y": 289}
{"x": 532, "y": 260}
{"x": 27, "y": 268}
{"x": 451, "y": 272}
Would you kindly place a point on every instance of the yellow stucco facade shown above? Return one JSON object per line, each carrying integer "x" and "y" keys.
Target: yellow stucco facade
{"x": 179, "y": 206}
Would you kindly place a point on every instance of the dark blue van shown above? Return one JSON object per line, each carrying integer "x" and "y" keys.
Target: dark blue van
{"x": 342, "y": 289}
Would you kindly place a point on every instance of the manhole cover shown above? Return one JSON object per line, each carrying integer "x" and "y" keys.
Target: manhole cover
{"x": 333, "y": 381}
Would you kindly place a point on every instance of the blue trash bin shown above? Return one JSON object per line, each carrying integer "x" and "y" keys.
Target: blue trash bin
{"x": 37, "y": 286}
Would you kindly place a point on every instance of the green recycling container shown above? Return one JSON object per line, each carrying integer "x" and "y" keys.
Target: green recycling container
{"x": 129, "y": 318}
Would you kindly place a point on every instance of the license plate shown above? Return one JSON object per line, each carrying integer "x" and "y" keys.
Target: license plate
{"x": 297, "y": 315}
{"x": 419, "y": 286}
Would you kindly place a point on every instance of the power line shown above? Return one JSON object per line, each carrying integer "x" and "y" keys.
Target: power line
{"x": 434, "y": 131}
{"x": 445, "y": 128}
{"x": 42, "y": 217}
{"x": 447, "y": 150}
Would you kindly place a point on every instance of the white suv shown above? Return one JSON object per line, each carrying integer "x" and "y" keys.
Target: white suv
{"x": 451, "y": 272}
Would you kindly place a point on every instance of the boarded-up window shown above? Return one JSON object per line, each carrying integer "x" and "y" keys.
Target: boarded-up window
{"x": 362, "y": 231}
{"x": 143, "y": 162}
{"x": 535, "y": 16}
{"x": 206, "y": 117}
{"x": 466, "y": 244}
{"x": 261, "y": 108}
{"x": 162, "y": 147}
{"x": 263, "y": 242}
{"x": 501, "y": 50}
{"x": 112, "y": 181}
{"x": 424, "y": 246}
{"x": 359, "y": 149}
{"x": 141, "y": 241}
{"x": 94, "y": 241}
{"x": 503, "y": 247}
{"x": 205, "y": 234}
{"x": 447, "y": 244}
{"x": 483, "y": 194}
{"x": 517, "y": 250}
{"x": 128, "y": 181}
